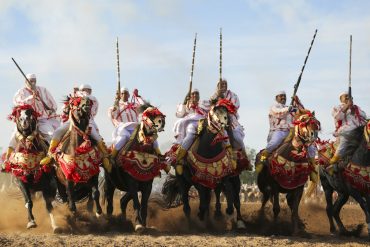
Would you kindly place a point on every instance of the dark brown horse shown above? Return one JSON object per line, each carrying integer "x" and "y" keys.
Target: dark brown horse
{"x": 137, "y": 163}
{"x": 208, "y": 164}
{"x": 288, "y": 167}
{"x": 23, "y": 162}
{"x": 350, "y": 178}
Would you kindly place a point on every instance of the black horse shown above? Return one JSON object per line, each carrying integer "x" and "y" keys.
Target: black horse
{"x": 78, "y": 151}
{"x": 275, "y": 178}
{"x": 348, "y": 179}
{"x": 136, "y": 164}
{"x": 23, "y": 162}
{"x": 208, "y": 165}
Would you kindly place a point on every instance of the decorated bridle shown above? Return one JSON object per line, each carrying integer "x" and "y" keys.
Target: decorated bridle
{"x": 303, "y": 121}
{"x": 15, "y": 115}
{"x": 147, "y": 121}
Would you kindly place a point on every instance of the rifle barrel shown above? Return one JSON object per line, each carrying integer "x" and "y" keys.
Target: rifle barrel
{"x": 304, "y": 65}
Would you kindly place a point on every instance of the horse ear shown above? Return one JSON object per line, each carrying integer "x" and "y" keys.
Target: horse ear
{"x": 313, "y": 113}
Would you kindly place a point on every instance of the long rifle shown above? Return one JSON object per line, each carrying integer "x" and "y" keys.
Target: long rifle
{"x": 300, "y": 75}
{"x": 220, "y": 55}
{"x": 192, "y": 65}
{"x": 118, "y": 97}
{"x": 350, "y": 69}
{"x": 31, "y": 86}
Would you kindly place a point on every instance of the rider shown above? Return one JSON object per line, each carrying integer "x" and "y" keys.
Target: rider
{"x": 189, "y": 111}
{"x": 124, "y": 111}
{"x": 237, "y": 129}
{"x": 42, "y": 102}
{"x": 127, "y": 132}
{"x": 85, "y": 90}
{"x": 62, "y": 130}
{"x": 347, "y": 117}
{"x": 281, "y": 123}
{"x": 193, "y": 128}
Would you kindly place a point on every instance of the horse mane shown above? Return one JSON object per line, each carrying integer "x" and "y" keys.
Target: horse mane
{"x": 354, "y": 138}
{"x": 143, "y": 107}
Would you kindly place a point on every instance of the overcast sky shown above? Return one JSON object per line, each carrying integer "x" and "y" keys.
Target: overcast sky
{"x": 264, "y": 45}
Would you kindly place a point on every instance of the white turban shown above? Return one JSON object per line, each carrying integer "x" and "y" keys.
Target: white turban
{"x": 31, "y": 76}
{"x": 343, "y": 93}
{"x": 195, "y": 90}
{"x": 280, "y": 93}
{"x": 85, "y": 86}
{"x": 124, "y": 89}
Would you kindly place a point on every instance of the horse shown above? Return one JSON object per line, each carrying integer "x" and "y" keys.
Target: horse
{"x": 23, "y": 162}
{"x": 351, "y": 177}
{"x": 78, "y": 152}
{"x": 136, "y": 164}
{"x": 288, "y": 167}
{"x": 208, "y": 164}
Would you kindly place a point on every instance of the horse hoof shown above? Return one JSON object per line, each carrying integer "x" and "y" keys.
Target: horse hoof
{"x": 240, "y": 225}
{"x": 139, "y": 228}
{"x": 57, "y": 230}
{"x": 31, "y": 224}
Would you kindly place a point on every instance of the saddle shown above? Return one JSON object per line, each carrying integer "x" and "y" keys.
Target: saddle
{"x": 289, "y": 168}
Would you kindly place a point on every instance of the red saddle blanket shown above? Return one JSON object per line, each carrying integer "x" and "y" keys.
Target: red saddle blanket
{"x": 289, "y": 174}
{"x": 141, "y": 166}
{"x": 81, "y": 167}
{"x": 23, "y": 164}
{"x": 358, "y": 176}
{"x": 209, "y": 172}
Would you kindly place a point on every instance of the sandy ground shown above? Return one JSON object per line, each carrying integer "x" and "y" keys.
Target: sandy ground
{"x": 170, "y": 228}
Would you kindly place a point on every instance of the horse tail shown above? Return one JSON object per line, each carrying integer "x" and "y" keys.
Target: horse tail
{"x": 171, "y": 193}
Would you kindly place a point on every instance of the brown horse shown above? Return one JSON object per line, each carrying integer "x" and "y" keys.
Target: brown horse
{"x": 78, "y": 151}
{"x": 350, "y": 178}
{"x": 23, "y": 162}
{"x": 288, "y": 167}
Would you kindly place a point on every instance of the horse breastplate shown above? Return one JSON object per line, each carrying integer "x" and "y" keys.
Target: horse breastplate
{"x": 209, "y": 172}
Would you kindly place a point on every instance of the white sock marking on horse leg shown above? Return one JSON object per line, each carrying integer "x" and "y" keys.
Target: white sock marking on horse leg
{"x": 52, "y": 220}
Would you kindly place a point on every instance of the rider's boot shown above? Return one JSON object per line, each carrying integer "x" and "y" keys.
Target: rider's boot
{"x": 53, "y": 144}
{"x": 314, "y": 176}
{"x": 229, "y": 149}
{"x": 331, "y": 168}
{"x": 103, "y": 149}
{"x": 180, "y": 154}
{"x": 264, "y": 156}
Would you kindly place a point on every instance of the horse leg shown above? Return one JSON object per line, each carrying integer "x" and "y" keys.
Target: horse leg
{"x": 71, "y": 199}
{"x": 204, "y": 197}
{"x": 329, "y": 202}
{"x": 28, "y": 203}
{"x": 229, "y": 193}
{"x": 236, "y": 188}
{"x": 296, "y": 199}
{"x": 218, "y": 212}
{"x": 367, "y": 212}
{"x": 276, "y": 205}
{"x": 109, "y": 193}
{"x": 90, "y": 203}
{"x": 145, "y": 194}
{"x": 133, "y": 188}
{"x": 123, "y": 203}
{"x": 96, "y": 195}
{"x": 342, "y": 199}
{"x": 48, "y": 196}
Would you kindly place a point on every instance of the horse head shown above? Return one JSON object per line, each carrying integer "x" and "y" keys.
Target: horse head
{"x": 367, "y": 133}
{"x": 218, "y": 118}
{"x": 25, "y": 118}
{"x": 153, "y": 121}
{"x": 306, "y": 126}
{"x": 80, "y": 111}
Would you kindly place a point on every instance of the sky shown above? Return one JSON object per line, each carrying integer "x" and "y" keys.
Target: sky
{"x": 265, "y": 42}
